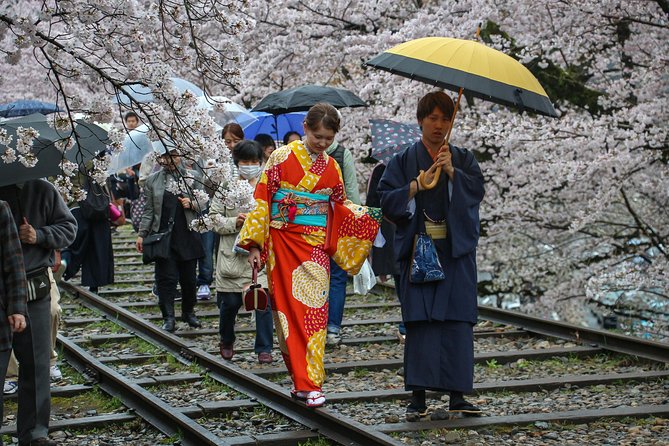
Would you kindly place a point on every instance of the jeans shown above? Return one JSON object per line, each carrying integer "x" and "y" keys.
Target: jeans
{"x": 206, "y": 263}
{"x": 229, "y": 304}
{"x": 337, "y": 299}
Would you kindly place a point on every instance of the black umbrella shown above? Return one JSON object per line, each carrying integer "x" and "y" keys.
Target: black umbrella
{"x": 92, "y": 140}
{"x": 304, "y": 97}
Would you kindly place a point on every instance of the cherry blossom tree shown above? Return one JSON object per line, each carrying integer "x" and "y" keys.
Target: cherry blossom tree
{"x": 84, "y": 53}
{"x": 576, "y": 207}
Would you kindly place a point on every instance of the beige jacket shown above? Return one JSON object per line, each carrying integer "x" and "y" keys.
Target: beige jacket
{"x": 233, "y": 273}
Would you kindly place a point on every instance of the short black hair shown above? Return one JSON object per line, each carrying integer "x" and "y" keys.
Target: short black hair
{"x": 247, "y": 150}
{"x": 287, "y": 136}
{"x": 131, "y": 115}
{"x": 435, "y": 99}
{"x": 265, "y": 140}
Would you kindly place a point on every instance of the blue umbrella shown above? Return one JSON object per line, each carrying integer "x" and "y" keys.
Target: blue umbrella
{"x": 391, "y": 137}
{"x": 275, "y": 125}
{"x": 143, "y": 94}
{"x": 27, "y": 107}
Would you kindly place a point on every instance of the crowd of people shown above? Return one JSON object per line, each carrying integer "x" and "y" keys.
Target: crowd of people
{"x": 308, "y": 215}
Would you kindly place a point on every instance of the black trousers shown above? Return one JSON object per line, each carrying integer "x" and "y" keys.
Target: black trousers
{"x": 32, "y": 348}
{"x": 169, "y": 272}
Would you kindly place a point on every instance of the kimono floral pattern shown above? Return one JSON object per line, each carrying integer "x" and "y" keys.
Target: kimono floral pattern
{"x": 297, "y": 256}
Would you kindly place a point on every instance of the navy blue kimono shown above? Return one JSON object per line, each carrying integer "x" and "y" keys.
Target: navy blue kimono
{"x": 439, "y": 316}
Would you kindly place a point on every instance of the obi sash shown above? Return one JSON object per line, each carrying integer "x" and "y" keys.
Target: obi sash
{"x": 300, "y": 208}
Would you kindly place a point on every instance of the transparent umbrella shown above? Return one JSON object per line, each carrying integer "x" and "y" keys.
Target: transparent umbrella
{"x": 141, "y": 93}
{"x": 135, "y": 147}
{"x": 223, "y": 110}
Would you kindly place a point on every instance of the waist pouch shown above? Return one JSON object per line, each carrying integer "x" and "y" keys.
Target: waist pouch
{"x": 39, "y": 285}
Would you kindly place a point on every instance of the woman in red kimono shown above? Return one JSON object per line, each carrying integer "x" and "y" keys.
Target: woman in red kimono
{"x": 301, "y": 219}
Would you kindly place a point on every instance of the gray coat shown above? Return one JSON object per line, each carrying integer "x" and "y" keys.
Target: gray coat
{"x": 154, "y": 190}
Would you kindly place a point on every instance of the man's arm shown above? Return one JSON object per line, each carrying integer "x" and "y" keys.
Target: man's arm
{"x": 350, "y": 178}
{"x": 60, "y": 229}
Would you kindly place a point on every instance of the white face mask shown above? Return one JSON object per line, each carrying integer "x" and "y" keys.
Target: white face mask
{"x": 249, "y": 172}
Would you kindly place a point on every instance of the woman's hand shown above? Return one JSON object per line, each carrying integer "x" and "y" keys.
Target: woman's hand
{"x": 240, "y": 220}
{"x": 254, "y": 257}
{"x": 139, "y": 244}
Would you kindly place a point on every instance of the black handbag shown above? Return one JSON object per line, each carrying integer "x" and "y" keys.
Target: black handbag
{"x": 157, "y": 245}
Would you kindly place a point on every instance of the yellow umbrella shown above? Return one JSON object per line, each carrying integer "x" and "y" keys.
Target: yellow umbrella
{"x": 467, "y": 65}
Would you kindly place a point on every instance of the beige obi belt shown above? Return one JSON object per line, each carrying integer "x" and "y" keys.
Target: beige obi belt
{"x": 436, "y": 230}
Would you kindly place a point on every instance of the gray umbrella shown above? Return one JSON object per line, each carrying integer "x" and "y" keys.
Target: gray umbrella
{"x": 92, "y": 139}
{"x": 304, "y": 97}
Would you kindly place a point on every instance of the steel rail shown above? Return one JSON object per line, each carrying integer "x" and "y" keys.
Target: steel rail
{"x": 629, "y": 345}
{"x": 330, "y": 424}
{"x": 151, "y": 408}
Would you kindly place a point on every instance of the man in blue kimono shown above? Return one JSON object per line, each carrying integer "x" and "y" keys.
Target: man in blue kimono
{"x": 439, "y": 315}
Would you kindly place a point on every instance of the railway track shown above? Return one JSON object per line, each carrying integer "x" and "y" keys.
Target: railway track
{"x": 538, "y": 381}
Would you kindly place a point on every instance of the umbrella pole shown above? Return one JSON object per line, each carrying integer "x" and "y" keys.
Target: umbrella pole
{"x": 435, "y": 180}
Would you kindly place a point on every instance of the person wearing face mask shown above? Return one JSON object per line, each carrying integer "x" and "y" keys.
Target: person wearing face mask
{"x": 233, "y": 273}
{"x": 302, "y": 217}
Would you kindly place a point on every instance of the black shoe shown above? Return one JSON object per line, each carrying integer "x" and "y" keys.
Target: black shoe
{"x": 465, "y": 408}
{"x": 415, "y": 413}
{"x": 191, "y": 320}
{"x": 169, "y": 324}
{"x": 42, "y": 442}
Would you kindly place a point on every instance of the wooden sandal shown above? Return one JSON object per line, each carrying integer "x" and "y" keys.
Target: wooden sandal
{"x": 315, "y": 399}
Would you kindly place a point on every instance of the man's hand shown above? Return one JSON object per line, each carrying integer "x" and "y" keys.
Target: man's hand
{"x": 17, "y": 322}
{"x": 444, "y": 160}
{"x": 27, "y": 233}
{"x": 139, "y": 244}
{"x": 185, "y": 202}
{"x": 240, "y": 220}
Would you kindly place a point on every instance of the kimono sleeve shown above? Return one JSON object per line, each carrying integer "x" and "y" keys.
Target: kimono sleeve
{"x": 393, "y": 190}
{"x": 463, "y": 217}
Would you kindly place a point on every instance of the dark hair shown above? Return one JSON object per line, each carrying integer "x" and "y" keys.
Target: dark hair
{"x": 247, "y": 150}
{"x": 131, "y": 115}
{"x": 322, "y": 114}
{"x": 234, "y": 128}
{"x": 287, "y": 136}
{"x": 435, "y": 99}
{"x": 265, "y": 140}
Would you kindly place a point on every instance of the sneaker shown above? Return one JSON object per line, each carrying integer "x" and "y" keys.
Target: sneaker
{"x": 55, "y": 373}
{"x": 402, "y": 337}
{"x": 10, "y": 388}
{"x": 333, "y": 339}
{"x": 204, "y": 293}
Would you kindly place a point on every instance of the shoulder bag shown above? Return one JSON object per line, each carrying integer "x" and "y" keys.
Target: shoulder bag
{"x": 157, "y": 245}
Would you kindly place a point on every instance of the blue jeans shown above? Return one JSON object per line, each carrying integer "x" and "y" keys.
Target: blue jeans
{"x": 229, "y": 304}
{"x": 337, "y": 299}
{"x": 206, "y": 264}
